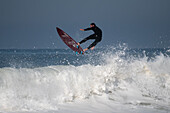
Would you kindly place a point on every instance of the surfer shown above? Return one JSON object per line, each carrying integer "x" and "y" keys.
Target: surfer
{"x": 97, "y": 36}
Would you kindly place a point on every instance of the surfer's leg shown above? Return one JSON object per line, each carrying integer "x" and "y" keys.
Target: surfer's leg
{"x": 94, "y": 43}
{"x": 89, "y": 37}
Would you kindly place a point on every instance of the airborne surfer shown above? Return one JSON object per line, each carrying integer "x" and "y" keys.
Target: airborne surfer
{"x": 97, "y": 36}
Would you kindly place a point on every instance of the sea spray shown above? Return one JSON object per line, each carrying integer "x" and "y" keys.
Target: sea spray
{"x": 123, "y": 78}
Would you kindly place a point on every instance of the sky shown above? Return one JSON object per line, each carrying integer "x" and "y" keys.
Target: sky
{"x": 28, "y": 24}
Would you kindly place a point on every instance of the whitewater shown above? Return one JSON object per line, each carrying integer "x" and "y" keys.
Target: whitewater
{"x": 117, "y": 83}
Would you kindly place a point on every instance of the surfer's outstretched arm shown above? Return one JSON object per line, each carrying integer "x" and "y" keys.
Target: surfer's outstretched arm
{"x": 86, "y": 29}
{"x": 81, "y": 29}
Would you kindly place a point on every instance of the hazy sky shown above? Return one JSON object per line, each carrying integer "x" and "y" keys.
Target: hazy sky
{"x": 27, "y": 24}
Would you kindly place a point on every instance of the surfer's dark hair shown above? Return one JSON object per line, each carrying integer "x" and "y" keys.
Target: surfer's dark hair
{"x": 93, "y": 24}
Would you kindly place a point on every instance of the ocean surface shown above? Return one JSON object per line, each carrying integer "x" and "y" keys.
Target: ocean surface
{"x": 44, "y": 79}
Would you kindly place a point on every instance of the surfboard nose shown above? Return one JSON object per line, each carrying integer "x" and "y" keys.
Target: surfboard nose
{"x": 57, "y": 28}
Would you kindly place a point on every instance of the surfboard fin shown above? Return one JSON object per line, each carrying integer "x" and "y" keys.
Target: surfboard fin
{"x": 78, "y": 46}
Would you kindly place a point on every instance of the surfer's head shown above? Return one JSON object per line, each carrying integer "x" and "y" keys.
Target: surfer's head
{"x": 92, "y": 25}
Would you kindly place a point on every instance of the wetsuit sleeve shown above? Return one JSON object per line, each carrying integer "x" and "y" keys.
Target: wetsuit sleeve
{"x": 88, "y": 29}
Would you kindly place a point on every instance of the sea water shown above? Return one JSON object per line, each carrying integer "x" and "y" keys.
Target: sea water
{"x": 44, "y": 79}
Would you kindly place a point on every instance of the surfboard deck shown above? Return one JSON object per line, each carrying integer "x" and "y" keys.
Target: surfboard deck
{"x": 70, "y": 42}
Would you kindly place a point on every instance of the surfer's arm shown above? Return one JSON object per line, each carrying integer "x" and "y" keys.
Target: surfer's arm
{"x": 81, "y": 29}
{"x": 88, "y": 29}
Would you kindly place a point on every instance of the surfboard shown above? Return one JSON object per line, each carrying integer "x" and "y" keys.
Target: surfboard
{"x": 70, "y": 42}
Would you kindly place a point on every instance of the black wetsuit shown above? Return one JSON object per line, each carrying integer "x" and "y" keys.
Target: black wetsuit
{"x": 97, "y": 36}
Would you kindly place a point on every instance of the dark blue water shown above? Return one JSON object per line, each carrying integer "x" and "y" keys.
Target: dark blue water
{"x": 31, "y": 58}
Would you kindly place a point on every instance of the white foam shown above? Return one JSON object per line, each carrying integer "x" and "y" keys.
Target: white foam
{"x": 133, "y": 82}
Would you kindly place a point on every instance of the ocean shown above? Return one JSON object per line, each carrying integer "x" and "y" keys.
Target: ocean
{"x": 106, "y": 80}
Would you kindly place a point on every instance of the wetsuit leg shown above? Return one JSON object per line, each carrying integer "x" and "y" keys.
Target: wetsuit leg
{"x": 94, "y": 43}
{"x": 89, "y": 37}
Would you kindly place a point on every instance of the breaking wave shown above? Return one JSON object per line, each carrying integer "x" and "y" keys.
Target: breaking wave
{"x": 137, "y": 81}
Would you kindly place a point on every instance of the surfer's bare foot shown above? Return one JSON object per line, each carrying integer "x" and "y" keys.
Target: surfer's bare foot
{"x": 78, "y": 44}
{"x": 85, "y": 49}
{"x": 92, "y": 48}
